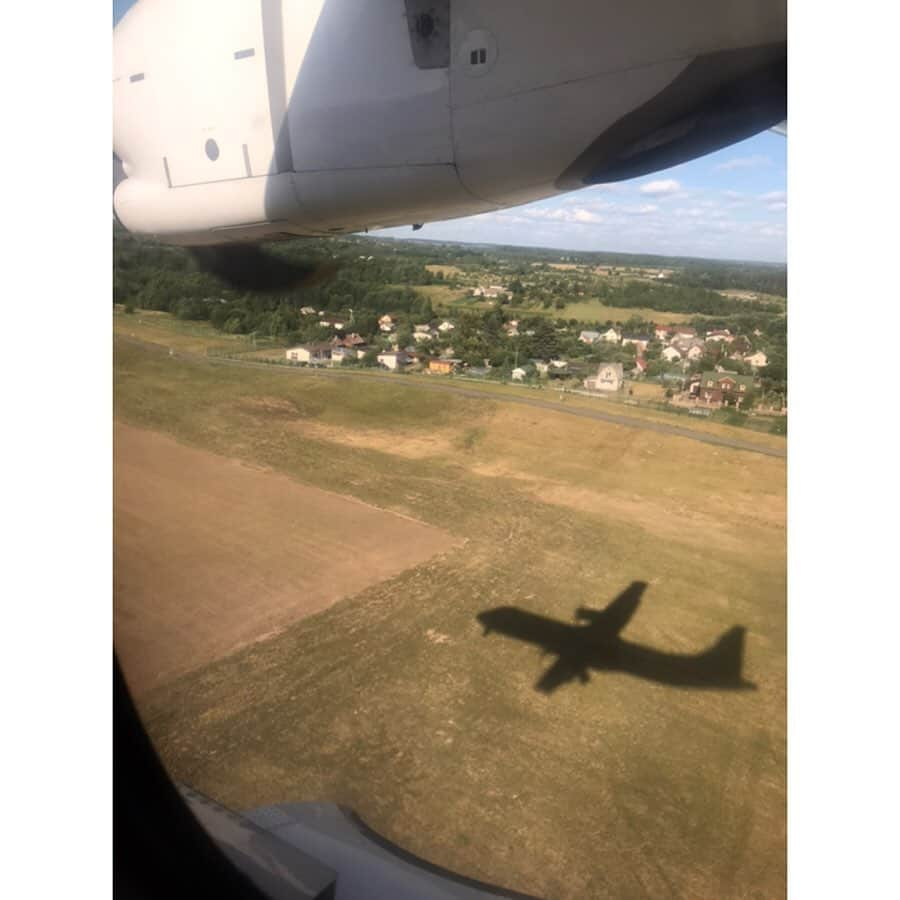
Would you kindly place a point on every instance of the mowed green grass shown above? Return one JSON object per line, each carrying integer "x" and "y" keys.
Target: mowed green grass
{"x": 394, "y": 703}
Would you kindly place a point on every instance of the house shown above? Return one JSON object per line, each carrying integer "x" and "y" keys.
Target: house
{"x": 492, "y": 290}
{"x": 609, "y": 377}
{"x": 443, "y": 366}
{"x": 541, "y": 366}
{"x": 722, "y": 388}
{"x": 589, "y": 337}
{"x": 757, "y": 360}
{"x": 670, "y": 354}
{"x": 611, "y": 336}
{"x": 332, "y": 323}
{"x": 690, "y": 348}
{"x": 386, "y": 323}
{"x": 662, "y": 332}
{"x": 446, "y": 326}
{"x": 422, "y": 329}
{"x": 311, "y": 354}
{"x": 353, "y": 340}
{"x": 720, "y": 335}
{"x": 695, "y": 352}
{"x": 685, "y": 332}
{"x": 422, "y": 337}
{"x": 307, "y": 311}
{"x": 393, "y": 359}
{"x": 341, "y": 354}
{"x": 640, "y": 341}
{"x": 640, "y": 366}
{"x": 518, "y": 374}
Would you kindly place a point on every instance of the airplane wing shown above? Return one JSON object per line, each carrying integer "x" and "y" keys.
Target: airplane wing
{"x": 558, "y": 674}
{"x": 618, "y": 614}
{"x": 548, "y": 634}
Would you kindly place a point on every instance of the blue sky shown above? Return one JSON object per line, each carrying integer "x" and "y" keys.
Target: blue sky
{"x": 728, "y": 205}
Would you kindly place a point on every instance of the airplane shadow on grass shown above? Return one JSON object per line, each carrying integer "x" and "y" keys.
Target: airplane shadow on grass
{"x": 597, "y": 645}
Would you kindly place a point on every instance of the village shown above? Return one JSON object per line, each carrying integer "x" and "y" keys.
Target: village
{"x": 696, "y": 370}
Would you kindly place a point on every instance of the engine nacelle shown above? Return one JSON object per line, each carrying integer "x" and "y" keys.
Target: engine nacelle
{"x": 241, "y": 120}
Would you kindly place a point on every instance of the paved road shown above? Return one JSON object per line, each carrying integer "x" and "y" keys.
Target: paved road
{"x": 581, "y": 412}
{"x": 401, "y": 381}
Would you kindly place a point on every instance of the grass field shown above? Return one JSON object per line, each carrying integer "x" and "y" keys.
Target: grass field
{"x": 596, "y": 311}
{"x": 446, "y": 271}
{"x": 392, "y": 701}
{"x": 441, "y": 296}
{"x": 165, "y": 329}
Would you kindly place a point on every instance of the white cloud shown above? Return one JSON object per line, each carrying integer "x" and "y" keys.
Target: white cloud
{"x": 780, "y": 206}
{"x": 584, "y": 216}
{"x": 744, "y": 162}
{"x": 666, "y": 186}
{"x": 774, "y": 197}
{"x": 643, "y": 210}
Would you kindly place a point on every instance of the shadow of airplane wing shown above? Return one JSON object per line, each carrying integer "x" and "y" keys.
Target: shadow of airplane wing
{"x": 561, "y": 672}
{"x": 617, "y": 614}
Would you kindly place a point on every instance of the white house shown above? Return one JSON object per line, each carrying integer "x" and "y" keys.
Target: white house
{"x": 386, "y": 323}
{"x": 662, "y": 332}
{"x": 611, "y": 336}
{"x": 307, "y": 311}
{"x": 670, "y": 354}
{"x": 609, "y": 377}
{"x": 422, "y": 336}
{"x": 393, "y": 360}
{"x": 695, "y": 352}
{"x": 422, "y": 329}
{"x": 309, "y": 353}
{"x": 446, "y": 326}
{"x": 589, "y": 337}
{"x": 518, "y": 374}
{"x": 493, "y": 290}
{"x": 722, "y": 335}
{"x": 757, "y": 360}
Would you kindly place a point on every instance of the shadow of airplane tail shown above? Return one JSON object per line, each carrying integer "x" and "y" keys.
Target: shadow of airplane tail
{"x": 724, "y": 661}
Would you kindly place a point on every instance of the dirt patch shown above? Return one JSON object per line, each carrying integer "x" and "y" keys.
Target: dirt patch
{"x": 212, "y": 554}
{"x": 417, "y": 446}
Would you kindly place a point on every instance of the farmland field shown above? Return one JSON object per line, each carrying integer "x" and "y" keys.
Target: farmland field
{"x": 201, "y": 538}
{"x": 392, "y": 701}
{"x": 596, "y": 311}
